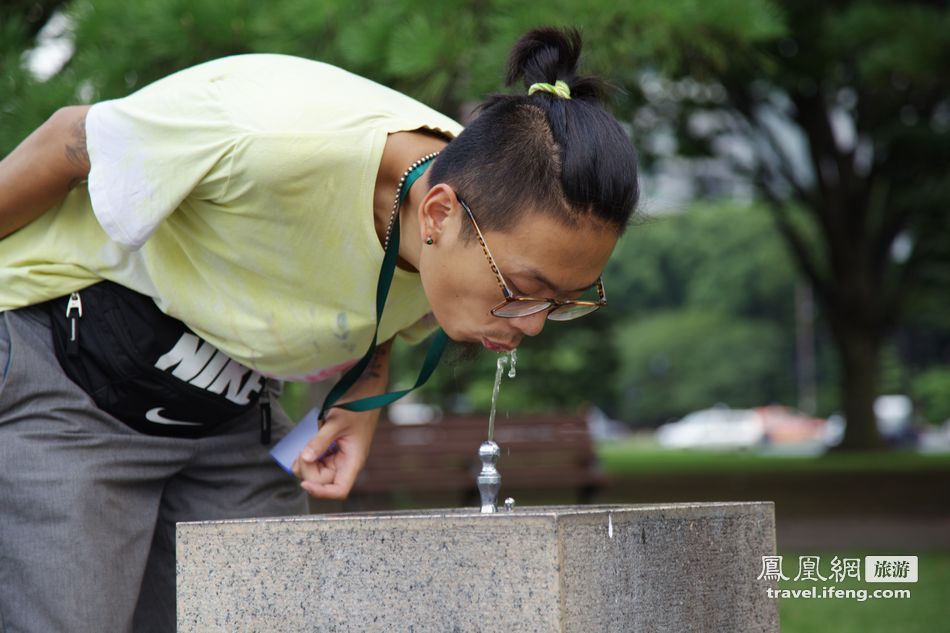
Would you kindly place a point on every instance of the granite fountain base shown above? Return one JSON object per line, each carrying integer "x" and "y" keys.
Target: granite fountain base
{"x": 653, "y": 568}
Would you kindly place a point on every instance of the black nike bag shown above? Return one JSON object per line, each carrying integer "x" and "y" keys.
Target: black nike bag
{"x": 147, "y": 369}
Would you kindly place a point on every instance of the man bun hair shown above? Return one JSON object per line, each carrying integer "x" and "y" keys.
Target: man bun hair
{"x": 546, "y": 55}
{"x": 565, "y": 157}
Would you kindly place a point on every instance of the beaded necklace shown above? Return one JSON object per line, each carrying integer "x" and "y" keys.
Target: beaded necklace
{"x": 398, "y": 200}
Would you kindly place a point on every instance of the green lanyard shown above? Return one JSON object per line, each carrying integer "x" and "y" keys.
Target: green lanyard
{"x": 382, "y": 290}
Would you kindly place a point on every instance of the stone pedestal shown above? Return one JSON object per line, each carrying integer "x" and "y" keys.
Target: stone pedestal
{"x": 653, "y": 568}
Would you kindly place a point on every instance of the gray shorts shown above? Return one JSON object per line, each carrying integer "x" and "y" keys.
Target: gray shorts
{"x": 88, "y": 506}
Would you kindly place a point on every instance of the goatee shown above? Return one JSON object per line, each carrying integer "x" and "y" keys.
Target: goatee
{"x": 459, "y": 353}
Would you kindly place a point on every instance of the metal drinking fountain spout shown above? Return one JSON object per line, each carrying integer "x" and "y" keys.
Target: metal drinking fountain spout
{"x": 489, "y": 479}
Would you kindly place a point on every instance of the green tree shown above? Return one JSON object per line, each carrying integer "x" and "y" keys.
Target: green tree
{"x": 932, "y": 391}
{"x": 723, "y": 257}
{"x": 25, "y": 102}
{"x": 707, "y": 303}
{"x": 682, "y": 360}
{"x": 842, "y": 123}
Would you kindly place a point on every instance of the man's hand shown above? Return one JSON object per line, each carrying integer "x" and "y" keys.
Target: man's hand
{"x": 333, "y": 476}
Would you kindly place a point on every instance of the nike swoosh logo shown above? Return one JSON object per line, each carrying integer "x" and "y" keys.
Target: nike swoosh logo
{"x": 155, "y": 415}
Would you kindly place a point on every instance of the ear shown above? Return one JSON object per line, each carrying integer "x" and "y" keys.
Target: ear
{"x": 437, "y": 212}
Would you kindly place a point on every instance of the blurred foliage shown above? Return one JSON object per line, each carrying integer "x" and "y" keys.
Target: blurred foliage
{"x": 691, "y": 359}
{"x": 709, "y": 301}
{"x": 842, "y": 124}
{"x": 24, "y": 102}
{"x": 710, "y": 290}
{"x": 721, "y": 257}
{"x": 931, "y": 392}
{"x": 448, "y": 55}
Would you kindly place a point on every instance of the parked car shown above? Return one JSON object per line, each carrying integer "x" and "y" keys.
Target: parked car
{"x": 773, "y": 427}
{"x": 785, "y": 425}
{"x": 719, "y": 427}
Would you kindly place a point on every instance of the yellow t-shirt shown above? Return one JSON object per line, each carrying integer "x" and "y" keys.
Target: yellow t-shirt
{"x": 239, "y": 195}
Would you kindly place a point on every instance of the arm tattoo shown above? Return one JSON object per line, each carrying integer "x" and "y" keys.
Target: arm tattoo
{"x": 76, "y": 152}
{"x": 377, "y": 365}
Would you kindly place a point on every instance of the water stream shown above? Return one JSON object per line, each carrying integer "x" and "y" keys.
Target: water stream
{"x": 503, "y": 359}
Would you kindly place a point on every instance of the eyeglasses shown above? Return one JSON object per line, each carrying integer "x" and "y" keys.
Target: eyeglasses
{"x": 520, "y": 306}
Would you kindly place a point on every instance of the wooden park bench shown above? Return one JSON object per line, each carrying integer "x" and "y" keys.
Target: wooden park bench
{"x": 539, "y": 454}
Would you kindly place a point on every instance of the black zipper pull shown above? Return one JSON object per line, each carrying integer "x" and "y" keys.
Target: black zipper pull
{"x": 73, "y": 313}
{"x": 265, "y": 416}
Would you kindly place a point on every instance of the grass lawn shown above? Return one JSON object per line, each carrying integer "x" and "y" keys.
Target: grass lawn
{"x": 926, "y": 611}
{"x": 642, "y": 456}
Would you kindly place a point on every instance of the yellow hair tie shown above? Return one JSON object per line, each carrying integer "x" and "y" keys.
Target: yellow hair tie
{"x": 560, "y": 88}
